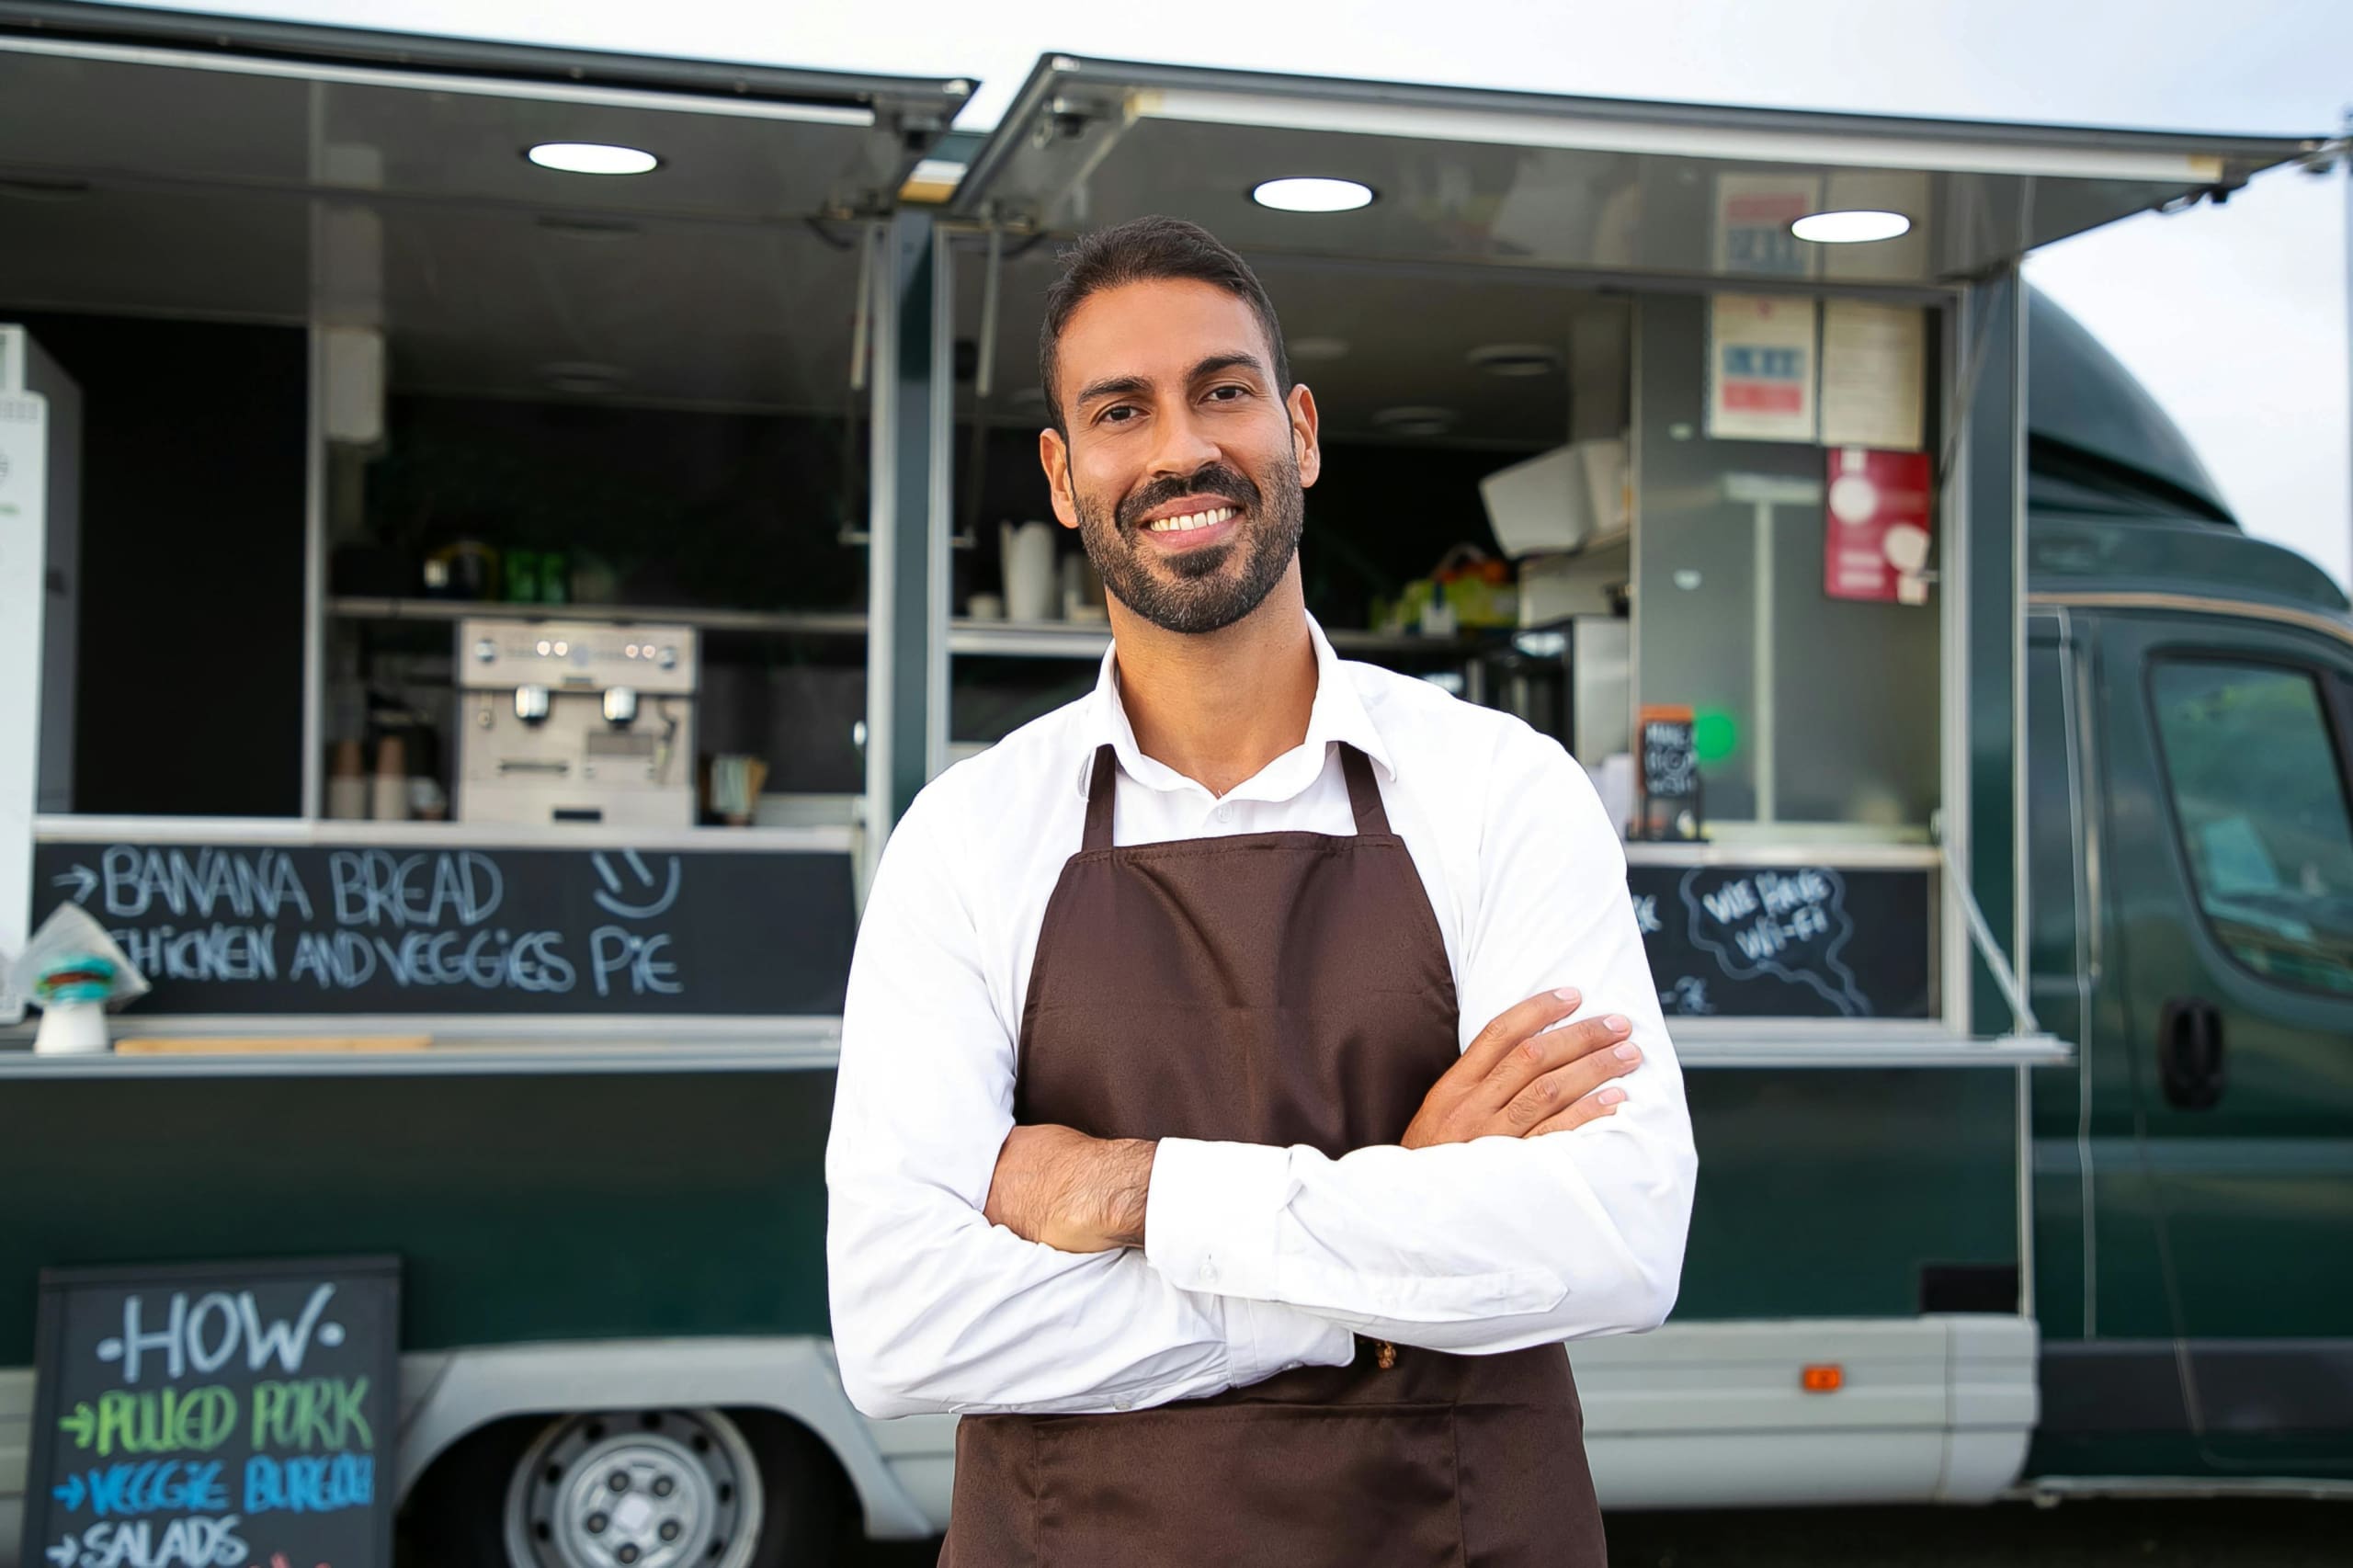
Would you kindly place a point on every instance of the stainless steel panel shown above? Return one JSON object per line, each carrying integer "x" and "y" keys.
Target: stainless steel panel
{"x": 1528, "y": 178}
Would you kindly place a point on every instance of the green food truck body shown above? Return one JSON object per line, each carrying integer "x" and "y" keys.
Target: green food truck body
{"x": 2006, "y": 935}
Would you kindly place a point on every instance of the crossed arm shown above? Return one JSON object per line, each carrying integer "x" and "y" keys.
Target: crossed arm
{"x": 978, "y": 1267}
{"x": 1520, "y": 1077}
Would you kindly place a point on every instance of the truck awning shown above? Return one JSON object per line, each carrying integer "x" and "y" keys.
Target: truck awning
{"x": 93, "y": 95}
{"x": 1592, "y": 184}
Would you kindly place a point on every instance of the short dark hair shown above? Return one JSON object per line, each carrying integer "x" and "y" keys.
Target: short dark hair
{"x": 1145, "y": 250}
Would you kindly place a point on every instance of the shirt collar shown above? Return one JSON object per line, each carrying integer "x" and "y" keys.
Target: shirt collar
{"x": 1338, "y": 714}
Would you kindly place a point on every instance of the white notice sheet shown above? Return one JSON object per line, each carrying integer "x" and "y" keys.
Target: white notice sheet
{"x": 1760, "y": 368}
{"x": 1872, "y": 364}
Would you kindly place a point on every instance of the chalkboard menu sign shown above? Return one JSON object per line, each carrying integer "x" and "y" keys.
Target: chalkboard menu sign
{"x": 440, "y": 929}
{"x": 215, "y": 1416}
{"x": 1670, "y": 754}
{"x": 1789, "y": 941}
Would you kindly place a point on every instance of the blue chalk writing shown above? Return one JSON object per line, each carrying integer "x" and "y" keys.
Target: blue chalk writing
{"x": 308, "y": 1485}
{"x": 155, "y": 1486}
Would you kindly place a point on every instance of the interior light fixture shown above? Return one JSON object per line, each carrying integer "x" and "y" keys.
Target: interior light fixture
{"x": 1415, "y": 420}
{"x": 1308, "y": 193}
{"x": 583, "y": 376}
{"x": 1853, "y": 228}
{"x": 592, "y": 158}
{"x": 1516, "y": 358}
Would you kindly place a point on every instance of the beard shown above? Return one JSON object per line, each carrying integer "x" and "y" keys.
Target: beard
{"x": 1198, "y": 591}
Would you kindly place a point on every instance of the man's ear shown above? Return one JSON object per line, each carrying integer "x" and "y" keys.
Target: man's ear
{"x": 1054, "y": 456}
{"x": 1304, "y": 447}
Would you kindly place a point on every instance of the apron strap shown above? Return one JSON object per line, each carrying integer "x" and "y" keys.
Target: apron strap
{"x": 1364, "y": 795}
{"x": 1101, "y": 791}
{"x": 1364, "y": 790}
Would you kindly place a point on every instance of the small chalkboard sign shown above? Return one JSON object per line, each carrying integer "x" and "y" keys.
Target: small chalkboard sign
{"x": 1668, "y": 740}
{"x": 1670, "y": 754}
{"x": 1789, "y": 941}
{"x": 216, "y": 1416}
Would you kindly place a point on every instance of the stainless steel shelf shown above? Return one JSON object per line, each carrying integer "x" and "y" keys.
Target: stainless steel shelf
{"x": 461, "y": 1044}
{"x": 1843, "y": 1043}
{"x": 805, "y": 623}
{"x": 433, "y": 1062}
{"x": 1029, "y": 639}
{"x": 1079, "y": 640}
{"x": 1347, "y": 640}
{"x": 997, "y": 639}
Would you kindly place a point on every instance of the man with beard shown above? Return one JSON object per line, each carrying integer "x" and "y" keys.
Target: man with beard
{"x": 1223, "y": 1129}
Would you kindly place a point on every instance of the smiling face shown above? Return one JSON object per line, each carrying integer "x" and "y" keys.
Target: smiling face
{"x": 1183, "y": 465}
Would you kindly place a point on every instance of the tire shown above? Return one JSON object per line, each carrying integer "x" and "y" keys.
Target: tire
{"x": 454, "y": 1516}
{"x": 630, "y": 1489}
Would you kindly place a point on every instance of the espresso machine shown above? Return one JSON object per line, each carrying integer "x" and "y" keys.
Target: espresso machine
{"x": 575, "y": 722}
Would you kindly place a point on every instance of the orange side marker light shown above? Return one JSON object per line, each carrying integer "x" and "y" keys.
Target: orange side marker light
{"x": 1828, "y": 1378}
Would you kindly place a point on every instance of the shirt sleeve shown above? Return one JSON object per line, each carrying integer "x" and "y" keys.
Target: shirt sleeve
{"x": 1500, "y": 1243}
{"x": 934, "y": 1308}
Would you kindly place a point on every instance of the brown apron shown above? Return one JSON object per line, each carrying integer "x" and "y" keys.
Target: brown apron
{"x": 1265, "y": 988}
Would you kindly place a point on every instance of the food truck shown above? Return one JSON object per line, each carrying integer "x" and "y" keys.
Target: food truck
{"x": 525, "y": 522}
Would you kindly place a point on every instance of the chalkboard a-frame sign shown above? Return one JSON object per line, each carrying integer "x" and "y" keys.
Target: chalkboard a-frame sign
{"x": 215, "y": 1415}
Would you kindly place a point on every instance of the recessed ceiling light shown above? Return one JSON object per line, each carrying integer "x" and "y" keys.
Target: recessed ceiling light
{"x": 1316, "y": 350}
{"x": 1855, "y": 228}
{"x": 1516, "y": 358}
{"x": 1414, "y": 421}
{"x": 582, "y": 376}
{"x": 1313, "y": 194}
{"x": 592, "y": 158}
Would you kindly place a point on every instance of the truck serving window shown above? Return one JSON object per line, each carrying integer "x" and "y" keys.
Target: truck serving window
{"x": 2260, "y": 801}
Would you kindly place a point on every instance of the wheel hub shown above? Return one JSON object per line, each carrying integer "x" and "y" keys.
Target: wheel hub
{"x": 667, "y": 1489}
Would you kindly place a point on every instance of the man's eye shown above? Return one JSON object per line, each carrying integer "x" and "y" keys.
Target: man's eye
{"x": 1227, "y": 394}
{"x": 1117, "y": 414}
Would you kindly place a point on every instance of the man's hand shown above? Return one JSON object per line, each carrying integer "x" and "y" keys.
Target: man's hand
{"x": 1517, "y": 1081}
{"x": 1074, "y": 1193}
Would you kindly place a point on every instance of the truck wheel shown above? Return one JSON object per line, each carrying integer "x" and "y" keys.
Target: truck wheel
{"x": 660, "y": 1489}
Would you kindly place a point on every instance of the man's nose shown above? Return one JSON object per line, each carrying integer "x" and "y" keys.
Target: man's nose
{"x": 1184, "y": 445}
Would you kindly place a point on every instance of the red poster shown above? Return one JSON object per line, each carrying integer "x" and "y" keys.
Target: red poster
{"x": 1878, "y": 545}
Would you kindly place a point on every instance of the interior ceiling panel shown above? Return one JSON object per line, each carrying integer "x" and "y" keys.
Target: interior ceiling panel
{"x": 727, "y": 315}
{"x": 1387, "y": 341}
{"x": 779, "y": 145}
{"x": 72, "y": 115}
{"x": 722, "y": 279}
{"x": 472, "y": 302}
{"x": 223, "y": 255}
{"x": 474, "y": 144}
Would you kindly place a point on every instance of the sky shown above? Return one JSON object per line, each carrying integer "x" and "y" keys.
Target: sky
{"x": 2233, "y": 317}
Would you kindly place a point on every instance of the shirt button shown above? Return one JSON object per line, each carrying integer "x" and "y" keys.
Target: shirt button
{"x": 1225, "y": 813}
{"x": 1209, "y": 1268}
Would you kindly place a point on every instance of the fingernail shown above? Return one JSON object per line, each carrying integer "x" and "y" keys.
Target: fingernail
{"x": 1629, "y": 1051}
{"x": 1610, "y": 1096}
{"x": 1620, "y": 1024}
{"x": 1566, "y": 993}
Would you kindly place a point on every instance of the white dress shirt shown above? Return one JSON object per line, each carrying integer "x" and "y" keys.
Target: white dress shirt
{"x": 1257, "y": 1259}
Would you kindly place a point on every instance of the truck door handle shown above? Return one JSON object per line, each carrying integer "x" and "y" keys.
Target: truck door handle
{"x": 2189, "y": 1052}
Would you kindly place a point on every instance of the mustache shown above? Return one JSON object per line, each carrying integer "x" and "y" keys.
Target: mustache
{"x": 1214, "y": 478}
